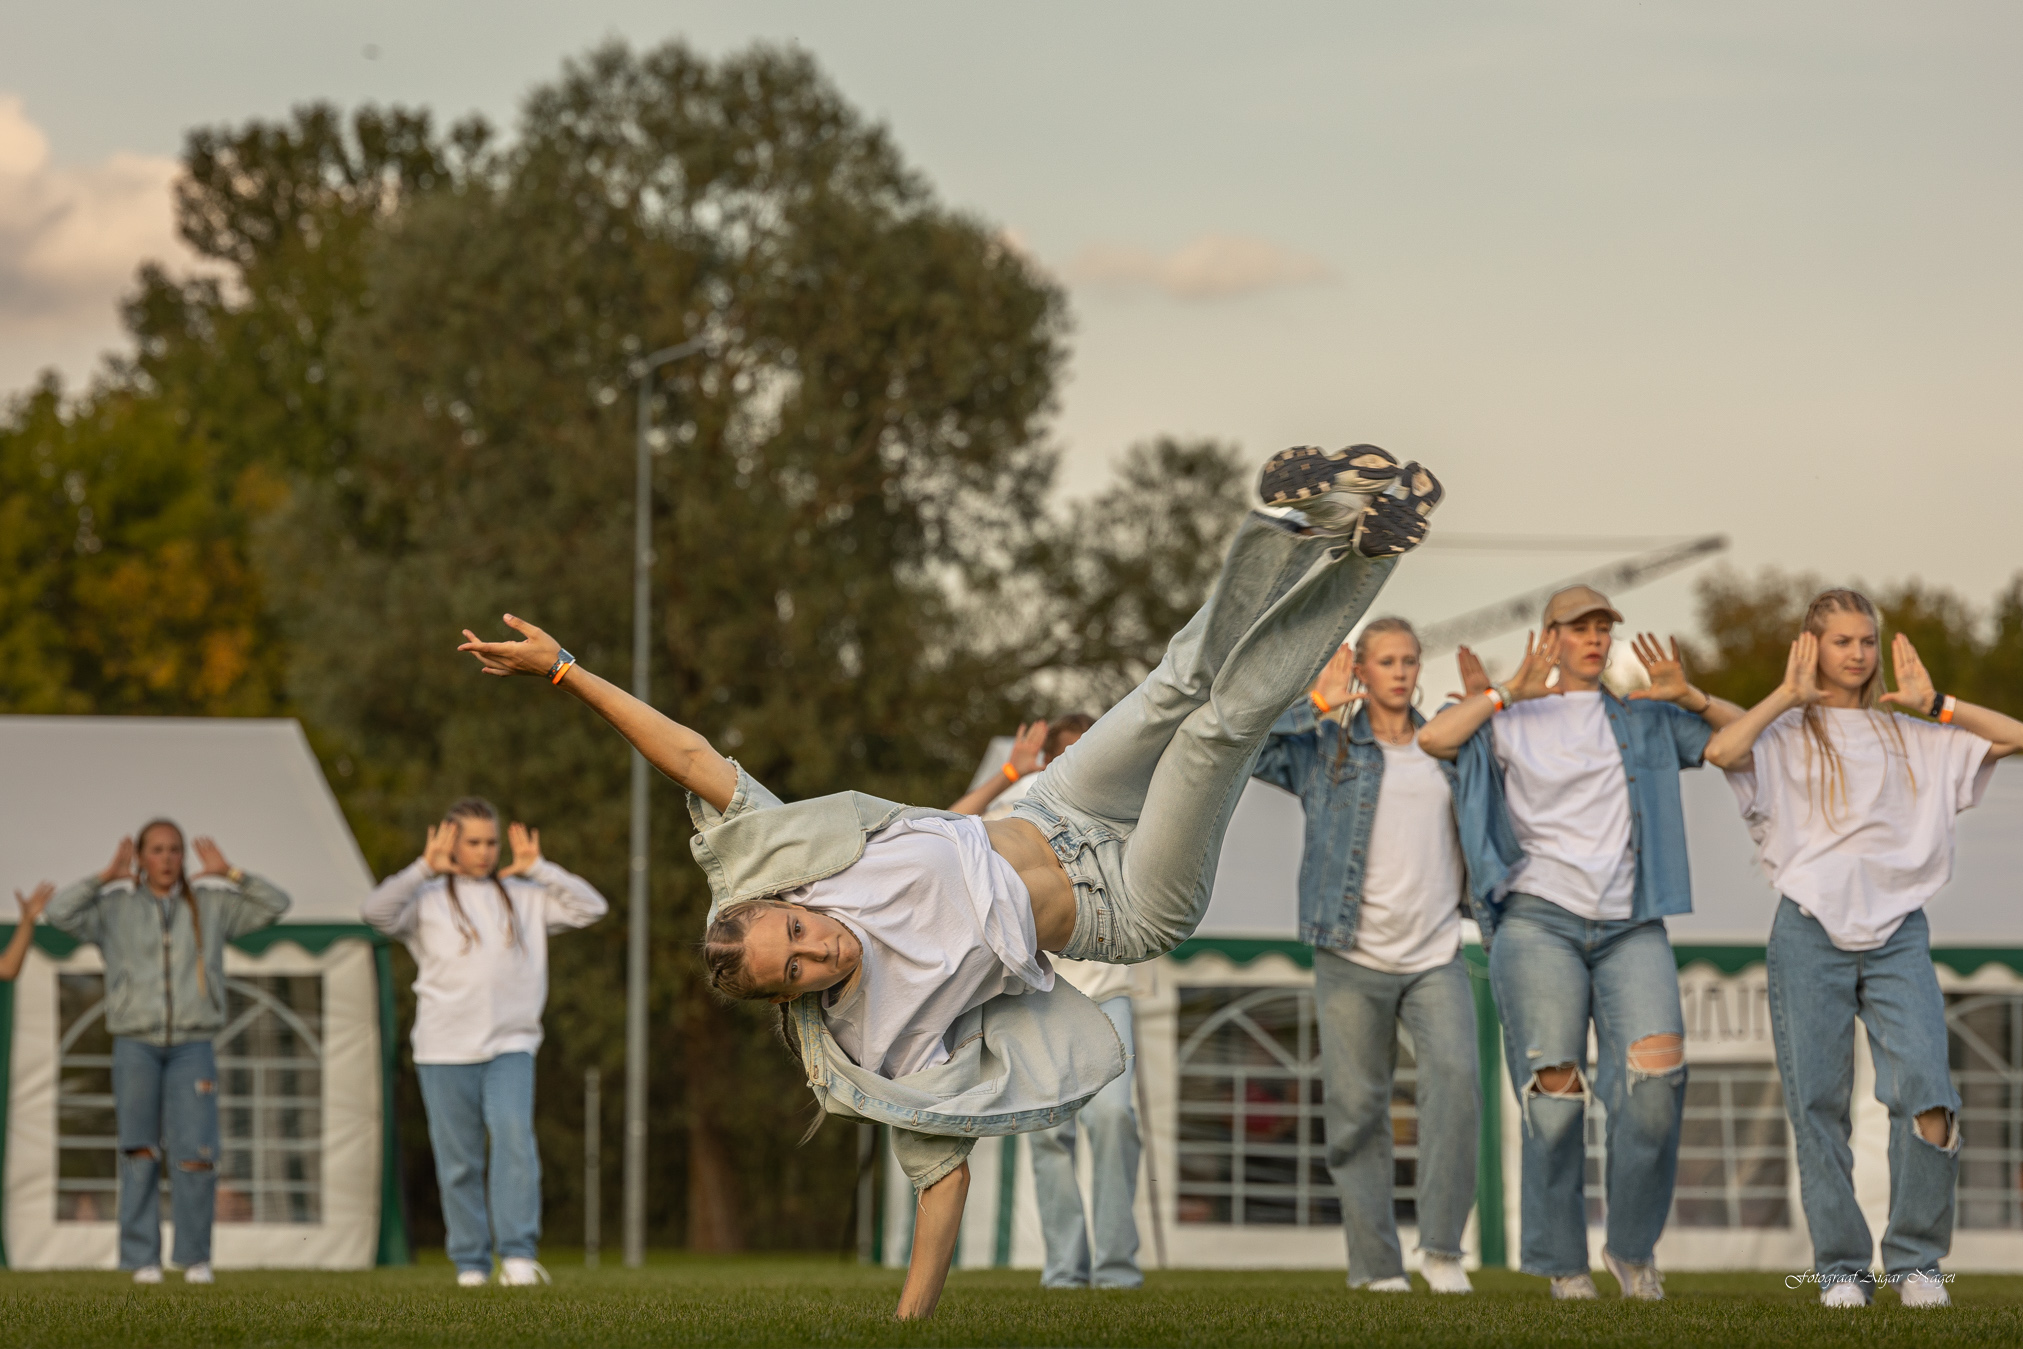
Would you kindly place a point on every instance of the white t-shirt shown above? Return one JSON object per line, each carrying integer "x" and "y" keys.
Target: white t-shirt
{"x": 1411, "y": 914}
{"x": 1885, "y": 846}
{"x": 1569, "y": 803}
{"x": 946, "y": 925}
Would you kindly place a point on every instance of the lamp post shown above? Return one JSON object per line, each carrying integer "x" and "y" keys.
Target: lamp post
{"x": 635, "y": 950}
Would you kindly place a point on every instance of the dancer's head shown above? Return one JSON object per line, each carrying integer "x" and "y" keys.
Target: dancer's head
{"x": 774, "y": 950}
{"x": 158, "y": 851}
{"x": 475, "y": 851}
{"x": 1065, "y": 731}
{"x": 1585, "y": 622}
{"x": 1387, "y": 662}
{"x": 1850, "y": 657}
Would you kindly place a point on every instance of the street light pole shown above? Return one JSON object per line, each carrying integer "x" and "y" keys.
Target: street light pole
{"x": 636, "y": 947}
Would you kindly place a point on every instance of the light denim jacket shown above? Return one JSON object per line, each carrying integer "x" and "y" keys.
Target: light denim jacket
{"x": 152, "y": 988}
{"x": 1657, "y": 740}
{"x": 1338, "y": 776}
{"x": 1018, "y": 1063}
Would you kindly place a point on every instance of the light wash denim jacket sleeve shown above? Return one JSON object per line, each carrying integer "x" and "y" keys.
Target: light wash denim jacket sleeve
{"x": 1337, "y": 775}
{"x": 1657, "y": 740}
{"x": 1019, "y": 1062}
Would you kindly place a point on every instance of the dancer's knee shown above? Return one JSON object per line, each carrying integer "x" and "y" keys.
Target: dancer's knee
{"x": 1656, "y": 1056}
{"x": 143, "y": 1154}
{"x": 1561, "y": 1080}
{"x": 1940, "y": 1127}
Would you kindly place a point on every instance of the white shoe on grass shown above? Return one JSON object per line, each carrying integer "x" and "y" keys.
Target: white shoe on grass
{"x": 1573, "y": 1288}
{"x": 472, "y": 1278}
{"x": 148, "y": 1274}
{"x": 1397, "y": 1283}
{"x": 199, "y": 1273}
{"x": 1924, "y": 1290}
{"x": 1642, "y": 1283}
{"x": 1847, "y": 1293}
{"x": 1443, "y": 1274}
{"x": 517, "y": 1271}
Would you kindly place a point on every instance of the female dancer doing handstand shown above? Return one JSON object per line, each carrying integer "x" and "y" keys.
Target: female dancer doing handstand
{"x": 906, "y": 944}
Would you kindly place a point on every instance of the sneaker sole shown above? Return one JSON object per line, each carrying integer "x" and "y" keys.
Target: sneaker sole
{"x": 1395, "y": 525}
{"x": 1307, "y": 471}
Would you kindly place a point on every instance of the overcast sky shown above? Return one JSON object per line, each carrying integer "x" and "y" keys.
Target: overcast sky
{"x": 1656, "y": 269}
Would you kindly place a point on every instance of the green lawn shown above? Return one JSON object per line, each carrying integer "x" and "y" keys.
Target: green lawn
{"x": 799, "y": 1301}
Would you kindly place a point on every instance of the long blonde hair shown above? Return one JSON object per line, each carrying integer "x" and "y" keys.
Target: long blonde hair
{"x": 182, "y": 886}
{"x": 1831, "y": 782}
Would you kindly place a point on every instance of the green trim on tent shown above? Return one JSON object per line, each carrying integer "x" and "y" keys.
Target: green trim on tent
{"x": 315, "y": 938}
{"x": 1489, "y": 1221}
{"x": 1243, "y": 950}
{"x": 393, "y": 1243}
{"x": 1007, "y": 1195}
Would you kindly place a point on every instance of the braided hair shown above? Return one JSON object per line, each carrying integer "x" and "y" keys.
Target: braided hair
{"x": 477, "y": 808}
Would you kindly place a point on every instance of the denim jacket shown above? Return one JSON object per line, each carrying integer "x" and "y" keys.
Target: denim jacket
{"x": 1018, "y": 1063}
{"x": 1337, "y": 775}
{"x": 1657, "y": 739}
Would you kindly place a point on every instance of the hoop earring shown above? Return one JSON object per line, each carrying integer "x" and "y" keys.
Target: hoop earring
{"x": 1418, "y": 695}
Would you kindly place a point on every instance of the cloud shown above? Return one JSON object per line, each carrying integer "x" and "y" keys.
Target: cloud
{"x": 1214, "y": 266}
{"x": 70, "y": 239}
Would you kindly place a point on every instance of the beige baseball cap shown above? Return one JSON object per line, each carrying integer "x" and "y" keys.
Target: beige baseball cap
{"x": 1577, "y": 602}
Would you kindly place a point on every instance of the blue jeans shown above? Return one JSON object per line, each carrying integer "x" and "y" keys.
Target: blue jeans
{"x": 465, "y": 1102}
{"x": 1137, "y": 808}
{"x": 1552, "y": 971}
{"x": 1112, "y": 1127}
{"x": 1816, "y": 992}
{"x": 166, "y": 1102}
{"x": 1360, "y": 1010}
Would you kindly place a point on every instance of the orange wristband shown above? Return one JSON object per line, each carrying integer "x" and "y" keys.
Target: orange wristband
{"x": 1011, "y": 774}
{"x": 1320, "y": 703}
{"x": 567, "y": 666}
{"x": 1946, "y": 712}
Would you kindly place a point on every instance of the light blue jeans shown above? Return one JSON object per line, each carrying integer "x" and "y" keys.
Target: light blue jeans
{"x": 1816, "y": 992}
{"x": 1552, "y": 971}
{"x": 166, "y": 1102}
{"x": 1137, "y": 808}
{"x": 465, "y": 1102}
{"x": 1360, "y": 1010}
{"x": 1110, "y": 1259}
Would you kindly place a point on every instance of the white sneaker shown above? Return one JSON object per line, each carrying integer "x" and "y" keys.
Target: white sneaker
{"x": 1443, "y": 1274}
{"x": 472, "y": 1278}
{"x": 1397, "y": 1283}
{"x": 1924, "y": 1290}
{"x": 1573, "y": 1288}
{"x": 1640, "y": 1282}
{"x": 517, "y": 1271}
{"x": 148, "y": 1274}
{"x": 199, "y": 1274}
{"x": 1848, "y": 1293}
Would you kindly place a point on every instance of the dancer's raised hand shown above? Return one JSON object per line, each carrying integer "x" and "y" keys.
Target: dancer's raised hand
{"x": 1801, "y": 673}
{"x": 1337, "y": 685}
{"x": 1026, "y": 747}
{"x": 526, "y": 845}
{"x": 121, "y": 866}
{"x": 440, "y": 852}
{"x": 1474, "y": 679}
{"x": 213, "y": 861}
{"x": 33, "y": 903}
{"x": 534, "y": 655}
{"x": 1667, "y": 669}
{"x": 1540, "y": 656}
{"x": 1914, "y": 692}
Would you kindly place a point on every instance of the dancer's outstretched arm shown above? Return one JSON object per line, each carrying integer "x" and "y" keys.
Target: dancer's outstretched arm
{"x": 1446, "y": 733}
{"x": 1733, "y": 747}
{"x": 935, "y": 1227}
{"x": 673, "y": 748}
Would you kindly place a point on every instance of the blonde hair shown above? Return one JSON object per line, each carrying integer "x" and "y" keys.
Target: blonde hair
{"x": 182, "y": 885}
{"x": 1378, "y": 626}
{"x": 1831, "y": 782}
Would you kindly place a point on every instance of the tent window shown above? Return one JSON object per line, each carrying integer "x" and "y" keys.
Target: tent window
{"x": 270, "y": 1102}
{"x": 1734, "y": 1149}
{"x": 1251, "y": 1134}
{"x": 1984, "y": 1033}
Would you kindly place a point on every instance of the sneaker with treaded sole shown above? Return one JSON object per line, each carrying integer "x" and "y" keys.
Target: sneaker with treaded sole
{"x": 1642, "y": 1282}
{"x": 1573, "y": 1288}
{"x": 1329, "y": 487}
{"x": 1444, "y": 1274}
{"x": 518, "y": 1271}
{"x": 1394, "y": 523}
{"x": 1847, "y": 1293}
{"x": 1923, "y": 1290}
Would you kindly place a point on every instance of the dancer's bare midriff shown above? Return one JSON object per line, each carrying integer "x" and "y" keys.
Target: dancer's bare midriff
{"x": 1021, "y": 843}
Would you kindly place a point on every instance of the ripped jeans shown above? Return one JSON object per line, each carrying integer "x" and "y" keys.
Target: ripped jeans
{"x": 1816, "y": 992}
{"x": 1553, "y": 971}
{"x": 166, "y": 1101}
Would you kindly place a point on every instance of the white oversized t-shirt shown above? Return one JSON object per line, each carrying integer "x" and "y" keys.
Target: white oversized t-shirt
{"x": 1885, "y": 846}
{"x": 946, "y": 925}
{"x": 1569, "y": 804}
{"x": 1410, "y": 920}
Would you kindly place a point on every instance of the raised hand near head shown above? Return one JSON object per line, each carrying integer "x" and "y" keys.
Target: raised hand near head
{"x": 535, "y": 654}
{"x": 213, "y": 862}
{"x": 1337, "y": 685}
{"x": 1026, "y": 747}
{"x": 34, "y": 903}
{"x": 440, "y": 852}
{"x": 1667, "y": 669}
{"x": 1474, "y": 679}
{"x": 121, "y": 866}
{"x": 526, "y": 845}
{"x": 1914, "y": 691}
{"x": 1540, "y": 657}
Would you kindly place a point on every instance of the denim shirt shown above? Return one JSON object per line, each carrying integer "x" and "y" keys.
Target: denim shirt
{"x": 1018, "y": 1063}
{"x": 1337, "y": 775}
{"x": 1657, "y": 739}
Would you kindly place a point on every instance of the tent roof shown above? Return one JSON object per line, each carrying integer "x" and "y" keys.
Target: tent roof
{"x": 1257, "y": 894}
{"x": 72, "y": 787}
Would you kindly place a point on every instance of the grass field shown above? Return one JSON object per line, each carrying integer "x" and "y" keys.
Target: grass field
{"x": 801, "y": 1301}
